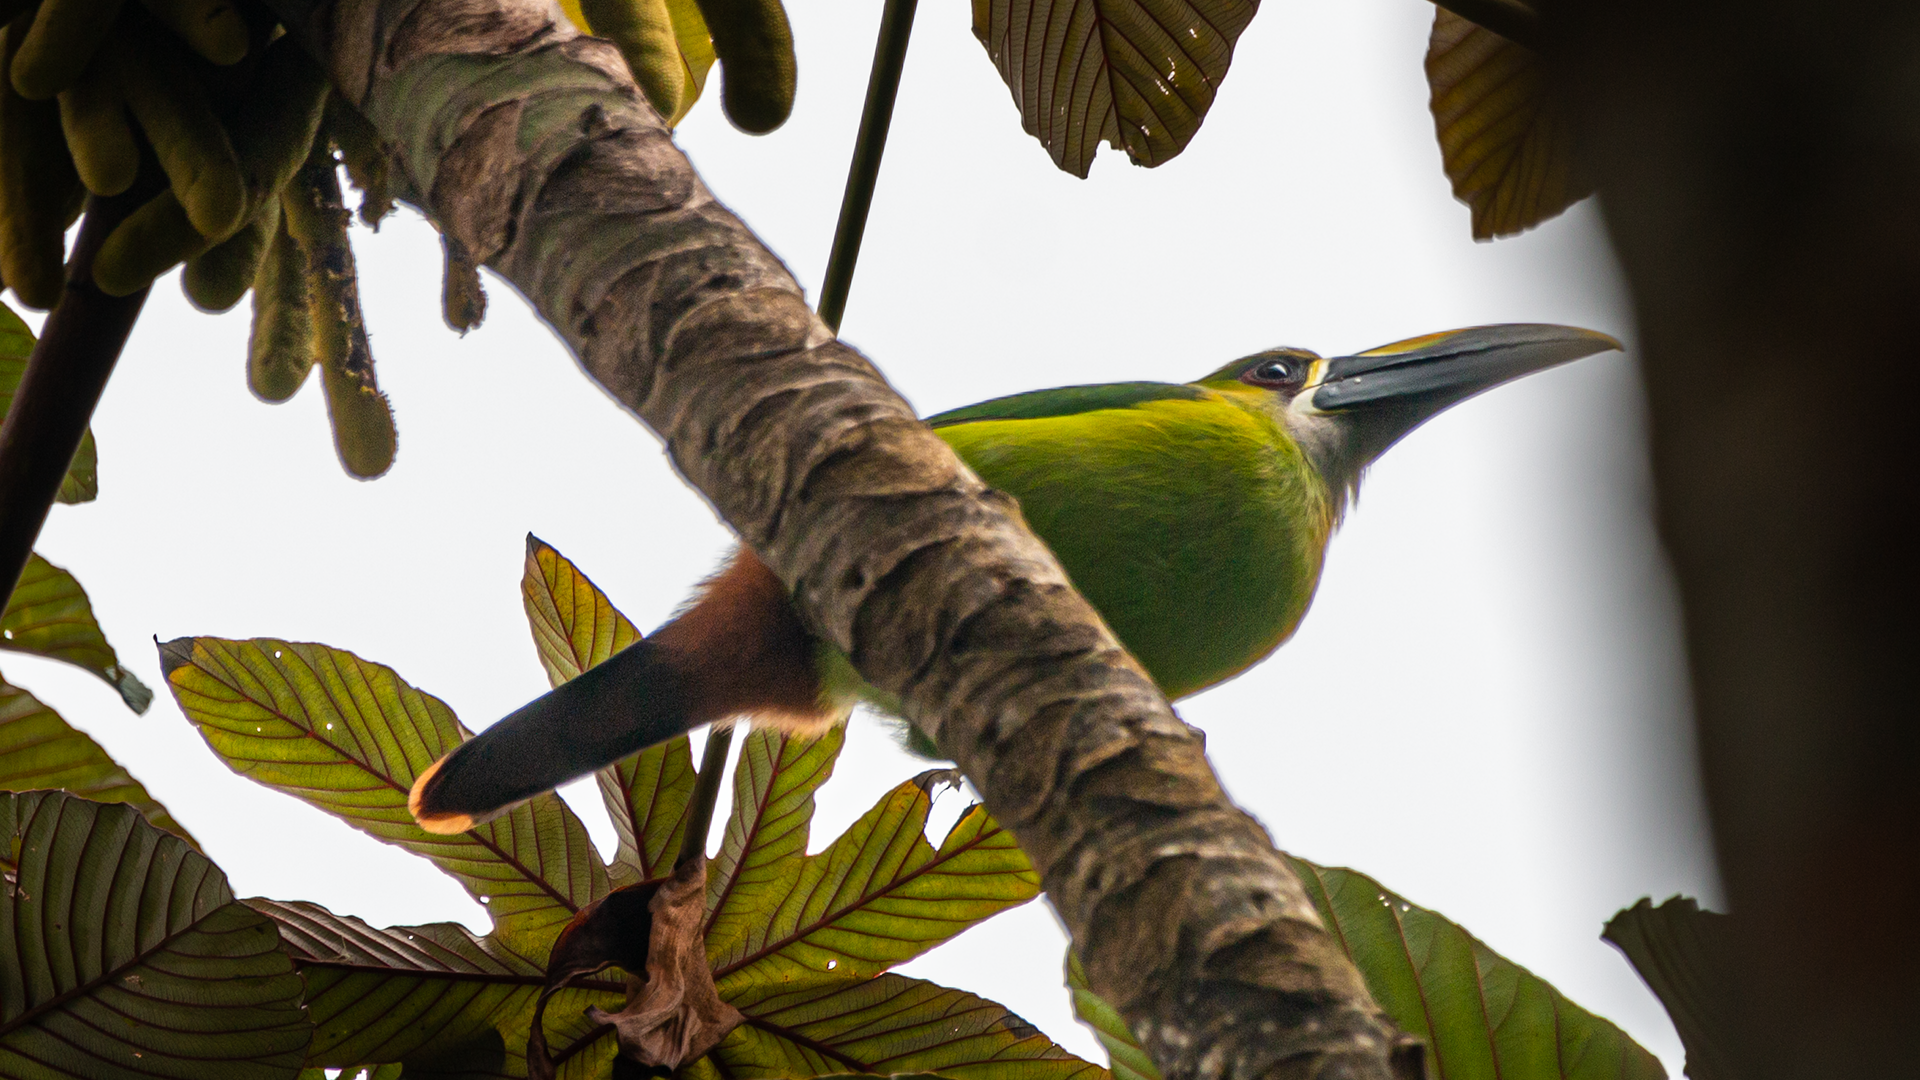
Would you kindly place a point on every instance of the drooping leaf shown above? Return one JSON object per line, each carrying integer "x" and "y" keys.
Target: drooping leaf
{"x": 1506, "y": 140}
{"x": 890, "y": 1024}
{"x": 39, "y": 749}
{"x": 82, "y": 482}
{"x": 574, "y": 628}
{"x": 1480, "y": 1014}
{"x": 435, "y": 997}
{"x": 1140, "y": 74}
{"x": 349, "y": 736}
{"x": 1685, "y": 955}
{"x": 880, "y": 895}
{"x": 49, "y": 615}
{"x": 128, "y": 957}
{"x": 1124, "y": 1056}
{"x": 766, "y": 837}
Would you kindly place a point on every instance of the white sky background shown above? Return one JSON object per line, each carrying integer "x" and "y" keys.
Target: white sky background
{"x": 1484, "y": 709}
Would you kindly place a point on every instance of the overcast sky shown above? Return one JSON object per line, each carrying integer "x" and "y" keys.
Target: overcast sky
{"x": 1484, "y": 710}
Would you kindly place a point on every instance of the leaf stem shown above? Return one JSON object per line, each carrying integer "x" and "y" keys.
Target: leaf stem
{"x": 883, "y": 86}
{"x": 66, "y": 374}
{"x": 1511, "y": 19}
{"x": 706, "y": 791}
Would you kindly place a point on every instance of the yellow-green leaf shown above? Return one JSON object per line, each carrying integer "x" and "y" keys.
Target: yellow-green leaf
{"x": 1506, "y": 140}
{"x": 766, "y": 837}
{"x": 49, "y": 615}
{"x": 1140, "y": 74}
{"x": 1124, "y": 1055}
{"x": 891, "y": 1024}
{"x": 349, "y": 736}
{"x": 1685, "y": 955}
{"x": 880, "y": 895}
{"x": 82, "y": 482}
{"x": 436, "y": 997}
{"x": 576, "y": 627}
{"x": 39, "y": 749}
{"x": 1482, "y": 1016}
{"x": 127, "y": 955}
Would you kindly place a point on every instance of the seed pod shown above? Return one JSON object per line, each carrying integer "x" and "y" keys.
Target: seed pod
{"x": 365, "y": 155}
{"x": 644, "y": 31}
{"x": 696, "y": 52}
{"x": 212, "y": 28}
{"x": 757, "y": 67}
{"x": 191, "y": 143}
{"x": 153, "y": 240}
{"x": 363, "y": 431}
{"x": 38, "y": 192}
{"x": 66, "y": 35}
{"x": 217, "y": 278}
{"x": 93, "y": 114}
{"x": 280, "y": 353}
{"x": 279, "y": 119}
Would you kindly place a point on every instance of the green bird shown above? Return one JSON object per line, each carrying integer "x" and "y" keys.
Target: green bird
{"x": 1194, "y": 516}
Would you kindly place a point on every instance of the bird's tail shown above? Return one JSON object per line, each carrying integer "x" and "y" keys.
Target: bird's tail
{"x": 738, "y": 651}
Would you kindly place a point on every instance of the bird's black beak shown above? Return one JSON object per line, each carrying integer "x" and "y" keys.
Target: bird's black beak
{"x": 1421, "y": 376}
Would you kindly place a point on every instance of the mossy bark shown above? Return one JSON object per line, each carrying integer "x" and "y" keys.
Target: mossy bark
{"x": 529, "y": 146}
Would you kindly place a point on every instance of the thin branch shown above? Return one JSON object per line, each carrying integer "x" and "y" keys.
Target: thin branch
{"x": 706, "y": 791}
{"x": 883, "y": 86}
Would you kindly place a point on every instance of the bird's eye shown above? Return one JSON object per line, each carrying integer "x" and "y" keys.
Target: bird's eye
{"x": 1277, "y": 371}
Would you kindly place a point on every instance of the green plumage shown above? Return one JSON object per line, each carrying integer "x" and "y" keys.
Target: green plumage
{"x": 1186, "y": 514}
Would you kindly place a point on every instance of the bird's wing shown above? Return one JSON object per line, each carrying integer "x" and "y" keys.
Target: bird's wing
{"x": 1067, "y": 401}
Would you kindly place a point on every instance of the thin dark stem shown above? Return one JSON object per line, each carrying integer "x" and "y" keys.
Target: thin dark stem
{"x": 65, "y": 376}
{"x": 883, "y": 85}
{"x": 1511, "y": 19}
{"x": 706, "y": 791}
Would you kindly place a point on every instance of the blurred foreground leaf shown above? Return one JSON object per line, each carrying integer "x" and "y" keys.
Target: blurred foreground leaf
{"x": 129, "y": 957}
{"x": 49, "y": 615}
{"x": 1505, "y": 138}
{"x": 39, "y": 749}
{"x": 1684, "y": 954}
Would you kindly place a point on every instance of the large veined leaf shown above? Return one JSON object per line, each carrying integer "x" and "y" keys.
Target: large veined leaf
{"x": 1684, "y": 954}
{"x": 49, "y": 615}
{"x": 128, "y": 957}
{"x": 889, "y": 1024}
{"x": 39, "y": 749}
{"x": 349, "y": 736}
{"x": 1480, "y": 1014}
{"x": 1506, "y": 140}
{"x": 82, "y": 481}
{"x": 880, "y": 895}
{"x": 766, "y": 837}
{"x": 1140, "y": 74}
{"x": 435, "y": 997}
{"x": 576, "y": 627}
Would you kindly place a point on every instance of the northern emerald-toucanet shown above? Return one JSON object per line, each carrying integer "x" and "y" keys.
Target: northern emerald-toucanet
{"x": 1194, "y": 516}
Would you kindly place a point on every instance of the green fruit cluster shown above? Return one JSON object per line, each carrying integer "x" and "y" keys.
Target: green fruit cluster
{"x": 670, "y": 45}
{"x": 212, "y": 96}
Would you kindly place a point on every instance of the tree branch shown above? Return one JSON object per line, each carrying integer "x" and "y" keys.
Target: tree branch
{"x": 529, "y": 144}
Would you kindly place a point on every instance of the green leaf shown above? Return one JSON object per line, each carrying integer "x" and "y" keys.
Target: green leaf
{"x": 82, "y": 482}
{"x": 1685, "y": 956}
{"x": 1481, "y": 1015}
{"x": 881, "y": 894}
{"x": 38, "y": 749}
{"x": 1140, "y": 74}
{"x": 128, "y": 957}
{"x": 49, "y": 615}
{"x": 576, "y": 627}
{"x": 890, "y": 1024}
{"x": 349, "y": 736}
{"x": 436, "y": 997}
{"x": 766, "y": 837}
{"x": 1124, "y": 1055}
{"x": 1506, "y": 140}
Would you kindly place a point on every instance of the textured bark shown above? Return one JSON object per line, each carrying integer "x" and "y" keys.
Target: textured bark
{"x": 1759, "y": 166}
{"x": 531, "y": 148}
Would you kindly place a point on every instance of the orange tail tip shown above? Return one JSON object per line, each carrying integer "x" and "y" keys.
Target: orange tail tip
{"x": 442, "y": 824}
